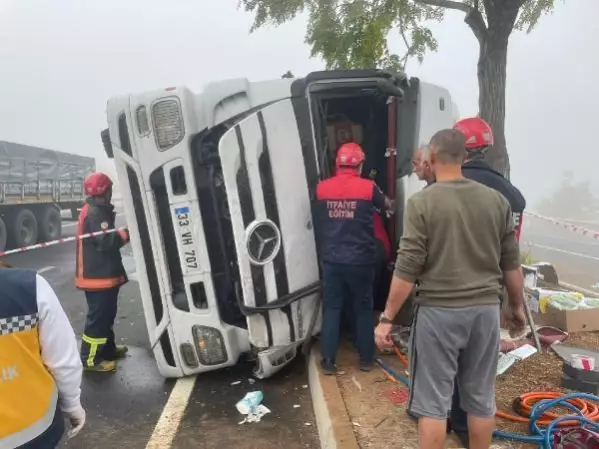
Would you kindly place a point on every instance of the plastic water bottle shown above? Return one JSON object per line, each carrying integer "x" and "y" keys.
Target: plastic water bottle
{"x": 249, "y": 402}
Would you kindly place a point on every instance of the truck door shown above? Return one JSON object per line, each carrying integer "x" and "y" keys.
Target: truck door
{"x": 268, "y": 199}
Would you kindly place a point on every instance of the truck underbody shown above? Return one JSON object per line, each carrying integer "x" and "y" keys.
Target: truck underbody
{"x": 244, "y": 161}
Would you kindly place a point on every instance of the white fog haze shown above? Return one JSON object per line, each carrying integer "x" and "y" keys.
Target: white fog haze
{"x": 222, "y": 295}
{"x": 62, "y": 60}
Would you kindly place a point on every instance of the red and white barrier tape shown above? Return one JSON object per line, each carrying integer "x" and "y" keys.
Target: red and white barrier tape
{"x": 56, "y": 242}
{"x": 568, "y": 226}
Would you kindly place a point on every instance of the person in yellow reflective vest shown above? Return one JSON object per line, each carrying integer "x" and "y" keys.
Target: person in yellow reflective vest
{"x": 40, "y": 369}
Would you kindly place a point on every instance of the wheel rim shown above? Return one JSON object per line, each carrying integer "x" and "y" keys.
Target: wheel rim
{"x": 52, "y": 227}
{"x": 27, "y": 230}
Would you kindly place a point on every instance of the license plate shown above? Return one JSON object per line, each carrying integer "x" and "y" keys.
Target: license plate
{"x": 187, "y": 243}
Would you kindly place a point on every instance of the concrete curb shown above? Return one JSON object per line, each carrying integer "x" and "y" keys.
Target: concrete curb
{"x": 334, "y": 425}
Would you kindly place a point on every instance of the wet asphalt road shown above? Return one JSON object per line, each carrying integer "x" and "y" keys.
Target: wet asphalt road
{"x": 123, "y": 408}
{"x": 575, "y": 256}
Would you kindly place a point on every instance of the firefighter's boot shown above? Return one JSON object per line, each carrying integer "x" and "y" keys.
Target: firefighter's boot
{"x": 105, "y": 366}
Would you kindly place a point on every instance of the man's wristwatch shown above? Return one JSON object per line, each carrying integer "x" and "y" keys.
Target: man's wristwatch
{"x": 384, "y": 320}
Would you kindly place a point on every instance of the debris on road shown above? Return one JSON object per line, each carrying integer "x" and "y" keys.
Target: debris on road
{"x": 237, "y": 382}
{"x": 356, "y": 383}
{"x": 249, "y": 402}
{"x": 257, "y": 415}
{"x": 251, "y": 406}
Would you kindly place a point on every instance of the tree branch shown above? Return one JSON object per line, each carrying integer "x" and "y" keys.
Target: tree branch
{"x": 402, "y": 33}
{"x": 489, "y": 7}
{"x": 474, "y": 18}
{"x": 449, "y": 4}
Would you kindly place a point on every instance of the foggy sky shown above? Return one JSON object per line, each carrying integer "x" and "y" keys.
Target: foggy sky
{"x": 62, "y": 59}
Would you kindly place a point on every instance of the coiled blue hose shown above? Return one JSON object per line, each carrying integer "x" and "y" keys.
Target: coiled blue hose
{"x": 542, "y": 437}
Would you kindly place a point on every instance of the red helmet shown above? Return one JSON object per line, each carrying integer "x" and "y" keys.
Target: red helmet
{"x": 478, "y": 133}
{"x": 96, "y": 184}
{"x": 349, "y": 155}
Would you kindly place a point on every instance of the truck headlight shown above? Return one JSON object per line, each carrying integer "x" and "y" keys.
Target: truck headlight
{"x": 210, "y": 345}
{"x": 168, "y": 123}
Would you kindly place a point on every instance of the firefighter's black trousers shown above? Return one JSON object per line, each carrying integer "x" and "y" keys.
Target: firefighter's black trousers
{"x": 458, "y": 418}
{"x": 98, "y": 337}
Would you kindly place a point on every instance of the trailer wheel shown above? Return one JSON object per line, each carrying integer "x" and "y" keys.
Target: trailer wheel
{"x": 2, "y": 234}
{"x": 23, "y": 229}
{"x": 50, "y": 224}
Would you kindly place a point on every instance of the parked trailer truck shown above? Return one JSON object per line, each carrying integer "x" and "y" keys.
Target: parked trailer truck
{"x": 35, "y": 185}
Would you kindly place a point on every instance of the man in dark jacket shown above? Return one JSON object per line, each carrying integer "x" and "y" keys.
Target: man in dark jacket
{"x": 100, "y": 273}
{"x": 479, "y": 137}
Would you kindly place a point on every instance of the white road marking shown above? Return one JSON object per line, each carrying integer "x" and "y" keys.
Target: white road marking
{"x": 550, "y": 248}
{"x": 45, "y": 269}
{"x": 569, "y": 240}
{"x": 172, "y": 414}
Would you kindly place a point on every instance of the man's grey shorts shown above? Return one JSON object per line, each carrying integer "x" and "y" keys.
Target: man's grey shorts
{"x": 446, "y": 342}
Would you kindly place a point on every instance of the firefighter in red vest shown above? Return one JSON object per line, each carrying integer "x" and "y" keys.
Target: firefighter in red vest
{"x": 100, "y": 273}
{"x": 345, "y": 235}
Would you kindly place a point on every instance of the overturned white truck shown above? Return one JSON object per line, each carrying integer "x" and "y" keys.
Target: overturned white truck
{"x": 218, "y": 186}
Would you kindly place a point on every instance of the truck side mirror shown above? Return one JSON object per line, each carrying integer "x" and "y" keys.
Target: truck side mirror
{"x": 105, "y": 134}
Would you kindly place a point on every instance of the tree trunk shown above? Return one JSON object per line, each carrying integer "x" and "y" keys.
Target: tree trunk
{"x": 492, "y": 65}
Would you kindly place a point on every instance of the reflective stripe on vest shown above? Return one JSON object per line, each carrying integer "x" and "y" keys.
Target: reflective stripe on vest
{"x": 27, "y": 389}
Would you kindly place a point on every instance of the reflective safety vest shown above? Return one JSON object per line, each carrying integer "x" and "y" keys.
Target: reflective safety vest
{"x": 344, "y": 211}
{"x": 99, "y": 265}
{"x": 28, "y": 393}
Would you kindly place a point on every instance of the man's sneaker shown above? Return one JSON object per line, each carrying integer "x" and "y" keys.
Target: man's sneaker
{"x": 366, "y": 366}
{"x": 328, "y": 367}
{"x": 121, "y": 351}
{"x": 105, "y": 366}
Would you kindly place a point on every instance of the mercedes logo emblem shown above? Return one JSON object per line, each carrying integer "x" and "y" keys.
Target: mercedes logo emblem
{"x": 263, "y": 241}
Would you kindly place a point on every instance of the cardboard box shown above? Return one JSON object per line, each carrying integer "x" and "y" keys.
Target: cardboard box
{"x": 343, "y": 131}
{"x": 582, "y": 320}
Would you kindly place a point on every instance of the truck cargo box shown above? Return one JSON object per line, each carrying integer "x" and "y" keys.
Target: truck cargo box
{"x": 31, "y": 174}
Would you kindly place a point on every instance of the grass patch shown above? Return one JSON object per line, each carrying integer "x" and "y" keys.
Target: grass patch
{"x": 526, "y": 258}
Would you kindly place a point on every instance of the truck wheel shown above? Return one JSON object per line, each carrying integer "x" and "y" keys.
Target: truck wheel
{"x": 23, "y": 229}
{"x": 2, "y": 234}
{"x": 50, "y": 224}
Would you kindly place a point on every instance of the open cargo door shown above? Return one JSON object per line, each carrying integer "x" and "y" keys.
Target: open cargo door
{"x": 391, "y": 155}
{"x": 268, "y": 199}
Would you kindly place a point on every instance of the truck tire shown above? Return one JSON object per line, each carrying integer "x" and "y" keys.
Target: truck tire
{"x": 23, "y": 229}
{"x": 2, "y": 234}
{"x": 50, "y": 224}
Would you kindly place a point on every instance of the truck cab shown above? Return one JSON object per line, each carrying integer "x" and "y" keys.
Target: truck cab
{"x": 218, "y": 188}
